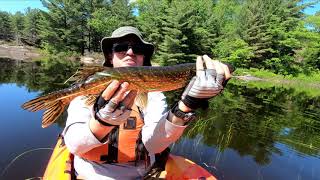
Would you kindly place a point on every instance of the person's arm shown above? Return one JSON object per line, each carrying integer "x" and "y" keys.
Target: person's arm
{"x": 176, "y": 120}
{"x": 161, "y": 129}
{"x": 107, "y": 112}
{"x": 158, "y": 132}
{"x": 87, "y": 127}
{"x": 78, "y": 135}
{"x": 100, "y": 131}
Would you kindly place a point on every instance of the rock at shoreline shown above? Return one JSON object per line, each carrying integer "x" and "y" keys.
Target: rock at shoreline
{"x": 23, "y": 53}
{"x": 87, "y": 60}
{"x": 248, "y": 78}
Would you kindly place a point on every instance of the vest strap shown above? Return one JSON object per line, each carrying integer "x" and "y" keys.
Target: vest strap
{"x": 123, "y": 142}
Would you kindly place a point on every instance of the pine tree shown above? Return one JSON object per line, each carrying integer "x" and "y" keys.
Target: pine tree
{"x": 179, "y": 29}
{"x": 6, "y": 29}
{"x": 64, "y": 25}
{"x": 32, "y": 27}
{"x": 313, "y": 22}
{"x": 114, "y": 14}
{"x": 311, "y": 43}
{"x": 284, "y": 23}
{"x": 18, "y": 23}
{"x": 253, "y": 29}
{"x": 92, "y": 36}
{"x": 150, "y": 19}
{"x": 54, "y": 26}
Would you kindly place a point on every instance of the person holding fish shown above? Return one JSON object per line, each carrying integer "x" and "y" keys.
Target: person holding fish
{"x": 124, "y": 132}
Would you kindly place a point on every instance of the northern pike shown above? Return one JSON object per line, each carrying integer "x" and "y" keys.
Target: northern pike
{"x": 142, "y": 79}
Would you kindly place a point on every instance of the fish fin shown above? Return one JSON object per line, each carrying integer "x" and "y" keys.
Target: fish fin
{"x": 84, "y": 72}
{"x": 52, "y": 108}
{"x": 52, "y": 113}
{"x": 142, "y": 99}
{"x": 91, "y": 99}
{"x": 36, "y": 104}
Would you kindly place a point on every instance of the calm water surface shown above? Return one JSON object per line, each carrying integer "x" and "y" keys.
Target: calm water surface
{"x": 247, "y": 133}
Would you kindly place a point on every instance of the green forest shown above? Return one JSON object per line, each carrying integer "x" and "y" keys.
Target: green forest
{"x": 274, "y": 35}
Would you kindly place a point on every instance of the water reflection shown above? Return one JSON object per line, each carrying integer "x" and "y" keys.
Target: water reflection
{"x": 246, "y": 133}
{"x": 262, "y": 125}
{"x": 21, "y": 136}
{"x": 23, "y": 140}
{"x": 45, "y": 76}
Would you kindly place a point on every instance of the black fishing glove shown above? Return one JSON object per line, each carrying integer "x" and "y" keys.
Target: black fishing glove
{"x": 109, "y": 113}
{"x": 205, "y": 85}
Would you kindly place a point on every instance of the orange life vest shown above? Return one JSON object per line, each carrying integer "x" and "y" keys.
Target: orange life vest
{"x": 123, "y": 142}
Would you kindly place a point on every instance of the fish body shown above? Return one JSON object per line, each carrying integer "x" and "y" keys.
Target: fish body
{"x": 143, "y": 79}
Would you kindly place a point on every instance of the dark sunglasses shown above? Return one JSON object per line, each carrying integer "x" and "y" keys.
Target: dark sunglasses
{"x": 136, "y": 48}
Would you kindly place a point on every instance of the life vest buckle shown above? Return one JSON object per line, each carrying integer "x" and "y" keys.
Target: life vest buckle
{"x": 131, "y": 123}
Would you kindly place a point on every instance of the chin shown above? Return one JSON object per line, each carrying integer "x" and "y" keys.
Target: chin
{"x": 129, "y": 64}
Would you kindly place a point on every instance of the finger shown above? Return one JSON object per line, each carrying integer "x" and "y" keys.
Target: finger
{"x": 199, "y": 66}
{"x": 227, "y": 73}
{"x": 186, "y": 91}
{"x": 111, "y": 106}
{"x": 211, "y": 72}
{"x": 101, "y": 102}
{"x": 220, "y": 77}
{"x": 211, "y": 75}
{"x": 201, "y": 74}
{"x": 208, "y": 61}
{"x": 129, "y": 99}
{"x": 219, "y": 80}
{"x": 110, "y": 90}
{"x": 218, "y": 67}
{"x": 120, "y": 93}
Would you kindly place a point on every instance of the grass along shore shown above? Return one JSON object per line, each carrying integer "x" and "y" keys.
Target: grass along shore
{"x": 302, "y": 83}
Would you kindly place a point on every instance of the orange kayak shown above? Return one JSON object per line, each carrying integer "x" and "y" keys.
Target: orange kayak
{"x": 60, "y": 167}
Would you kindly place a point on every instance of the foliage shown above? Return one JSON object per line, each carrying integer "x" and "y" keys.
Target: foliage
{"x": 63, "y": 26}
{"x": 305, "y": 83}
{"x": 310, "y": 40}
{"x": 182, "y": 29}
{"x": 31, "y": 30}
{"x": 236, "y": 51}
{"x": 18, "y": 21}
{"x": 111, "y": 16}
{"x": 314, "y": 22}
{"x": 6, "y": 29}
{"x": 253, "y": 120}
{"x": 266, "y": 74}
{"x": 263, "y": 34}
{"x": 46, "y": 75}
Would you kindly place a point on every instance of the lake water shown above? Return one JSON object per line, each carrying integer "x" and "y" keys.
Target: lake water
{"x": 246, "y": 133}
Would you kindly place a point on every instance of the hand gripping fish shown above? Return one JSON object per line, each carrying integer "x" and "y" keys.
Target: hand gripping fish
{"x": 95, "y": 79}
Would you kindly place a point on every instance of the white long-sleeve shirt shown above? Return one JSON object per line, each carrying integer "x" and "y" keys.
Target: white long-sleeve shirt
{"x": 157, "y": 134}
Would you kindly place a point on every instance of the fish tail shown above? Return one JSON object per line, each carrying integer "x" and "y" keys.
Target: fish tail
{"x": 53, "y": 108}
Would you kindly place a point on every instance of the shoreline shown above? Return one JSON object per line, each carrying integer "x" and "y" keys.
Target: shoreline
{"x": 19, "y": 53}
{"x": 29, "y": 54}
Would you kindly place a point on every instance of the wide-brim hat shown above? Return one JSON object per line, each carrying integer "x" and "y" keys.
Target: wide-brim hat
{"x": 107, "y": 43}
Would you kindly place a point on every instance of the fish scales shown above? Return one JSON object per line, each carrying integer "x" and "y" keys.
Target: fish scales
{"x": 143, "y": 79}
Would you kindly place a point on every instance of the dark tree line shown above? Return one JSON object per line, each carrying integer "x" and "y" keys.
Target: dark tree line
{"x": 269, "y": 34}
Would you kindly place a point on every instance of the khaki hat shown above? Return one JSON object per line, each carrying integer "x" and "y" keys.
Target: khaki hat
{"x": 107, "y": 43}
